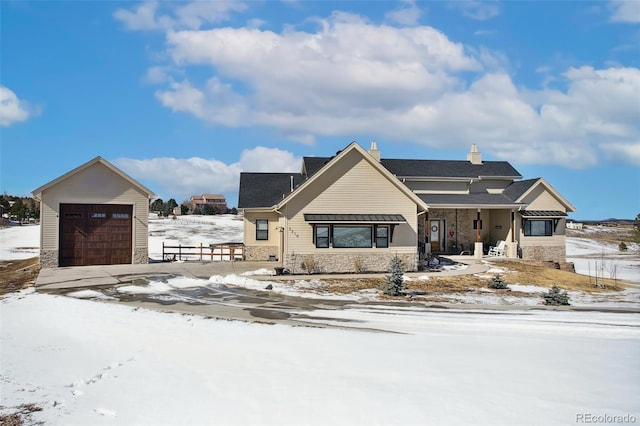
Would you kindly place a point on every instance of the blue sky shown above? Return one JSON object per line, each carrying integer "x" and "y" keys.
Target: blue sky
{"x": 184, "y": 96}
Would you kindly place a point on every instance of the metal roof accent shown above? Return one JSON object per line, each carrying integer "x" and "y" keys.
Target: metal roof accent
{"x": 542, "y": 213}
{"x": 360, "y": 218}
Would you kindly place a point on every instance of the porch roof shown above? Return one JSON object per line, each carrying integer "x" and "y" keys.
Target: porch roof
{"x": 542, "y": 213}
{"x": 464, "y": 201}
{"x": 360, "y": 218}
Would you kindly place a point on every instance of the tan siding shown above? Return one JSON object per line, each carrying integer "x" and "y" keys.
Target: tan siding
{"x": 250, "y": 228}
{"x": 541, "y": 199}
{"x": 439, "y": 187}
{"x": 95, "y": 185}
{"x": 352, "y": 186}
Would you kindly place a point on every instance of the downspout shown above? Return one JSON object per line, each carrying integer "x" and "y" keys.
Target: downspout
{"x": 281, "y": 244}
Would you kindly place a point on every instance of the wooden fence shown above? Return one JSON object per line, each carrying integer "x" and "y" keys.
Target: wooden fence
{"x": 211, "y": 252}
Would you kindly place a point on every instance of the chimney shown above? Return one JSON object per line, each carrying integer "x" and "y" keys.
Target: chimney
{"x": 474, "y": 156}
{"x": 374, "y": 151}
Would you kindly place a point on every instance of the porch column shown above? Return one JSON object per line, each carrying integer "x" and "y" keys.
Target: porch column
{"x": 477, "y": 252}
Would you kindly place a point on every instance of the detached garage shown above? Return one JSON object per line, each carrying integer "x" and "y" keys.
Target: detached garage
{"x": 93, "y": 215}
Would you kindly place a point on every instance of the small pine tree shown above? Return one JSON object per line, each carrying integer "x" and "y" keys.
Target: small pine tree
{"x": 555, "y": 297}
{"x": 622, "y": 246}
{"x": 498, "y": 283}
{"x": 394, "y": 285}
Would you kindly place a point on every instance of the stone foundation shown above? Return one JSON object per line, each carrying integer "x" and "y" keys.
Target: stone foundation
{"x": 141, "y": 256}
{"x": 260, "y": 253}
{"x": 543, "y": 253}
{"x": 347, "y": 263}
{"x": 48, "y": 258}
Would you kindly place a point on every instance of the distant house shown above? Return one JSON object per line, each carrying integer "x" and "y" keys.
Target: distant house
{"x": 354, "y": 211}
{"x": 575, "y": 225}
{"x": 93, "y": 215}
{"x": 199, "y": 203}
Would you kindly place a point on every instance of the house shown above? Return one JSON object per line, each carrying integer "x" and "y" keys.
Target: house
{"x": 200, "y": 203}
{"x": 93, "y": 215}
{"x": 356, "y": 210}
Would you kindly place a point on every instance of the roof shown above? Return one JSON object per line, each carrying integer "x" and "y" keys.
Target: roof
{"x": 542, "y": 213}
{"x": 354, "y": 147}
{"x": 466, "y": 200}
{"x": 430, "y": 168}
{"x": 360, "y": 218}
{"x": 519, "y": 188}
{"x": 265, "y": 189}
{"x": 36, "y": 192}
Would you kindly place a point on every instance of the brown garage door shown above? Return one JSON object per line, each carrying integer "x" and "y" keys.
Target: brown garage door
{"x": 95, "y": 234}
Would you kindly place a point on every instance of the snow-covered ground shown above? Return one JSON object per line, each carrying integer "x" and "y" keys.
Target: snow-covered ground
{"x": 90, "y": 362}
{"x": 85, "y": 362}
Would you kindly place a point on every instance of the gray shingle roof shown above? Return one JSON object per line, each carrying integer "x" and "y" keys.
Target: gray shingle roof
{"x": 449, "y": 168}
{"x": 265, "y": 189}
{"x": 516, "y": 189}
{"x": 430, "y": 168}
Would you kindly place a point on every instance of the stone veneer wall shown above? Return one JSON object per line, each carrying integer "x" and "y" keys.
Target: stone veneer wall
{"x": 348, "y": 263}
{"x": 48, "y": 258}
{"x": 260, "y": 253}
{"x": 141, "y": 256}
{"x": 551, "y": 253}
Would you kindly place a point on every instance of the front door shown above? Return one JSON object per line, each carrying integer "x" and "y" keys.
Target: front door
{"x": 434, "y": 235}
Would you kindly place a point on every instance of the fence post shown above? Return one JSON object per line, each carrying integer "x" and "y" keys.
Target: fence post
{"x": 163, "y": 251}
{"x": 200, "y": 252}
{"x": 180, "y": 251}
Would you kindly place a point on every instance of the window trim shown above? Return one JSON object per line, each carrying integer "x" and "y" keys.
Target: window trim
{"x": 262, "y": 234}
{"x": 317, "y": 239}
{"x": 384, "y": 238}
{"x": 548, "y": 228}
{"x": 374, "y": 239}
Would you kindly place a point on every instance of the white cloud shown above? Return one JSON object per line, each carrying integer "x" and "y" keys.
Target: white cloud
{"x": 625, "y": 11}
{"x": 407, "y": 14}
{"x": 189, "y": 176}
{"x": 352, "y": 78}
{"x": 476, "y": 9}
{"x": 12, "y": 109}
{"x": 191, "y": 15}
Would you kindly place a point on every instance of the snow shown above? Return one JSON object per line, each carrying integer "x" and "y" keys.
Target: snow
{"x": 19, "y": 242}
{"x": 87, "y": 360}
{"x": 104, "y": 364}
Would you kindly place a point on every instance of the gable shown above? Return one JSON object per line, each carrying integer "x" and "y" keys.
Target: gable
{"x": 351, "y": 175}
{"x": 542, "y": 196}
{"x": 95, "y": 176}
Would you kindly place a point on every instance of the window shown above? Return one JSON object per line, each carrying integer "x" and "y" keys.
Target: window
{"x": 382, "y": 236}
{"x": 120, "y": 215}
{"x": 538, "y": 228}
{"x": 322, "y": 236}
{"x": 351, "y": 236}
{"x": 98, "y": 215}
{"x": 262, "y": 229}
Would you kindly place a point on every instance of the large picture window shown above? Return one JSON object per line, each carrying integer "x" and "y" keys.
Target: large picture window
{"x": 538, "y": 228}
{"x": 262, "y": 229}
{"x": 352, "y": 236}
{"x": 322, "y": 236}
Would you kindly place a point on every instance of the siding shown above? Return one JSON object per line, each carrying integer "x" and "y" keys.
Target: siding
{"x": 350, "y": 186}
{"x": 94, "y": 185}
{"x": 541, "y": 199}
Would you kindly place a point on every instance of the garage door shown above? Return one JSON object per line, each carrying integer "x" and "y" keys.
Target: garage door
{"x": 95, "y": 234}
